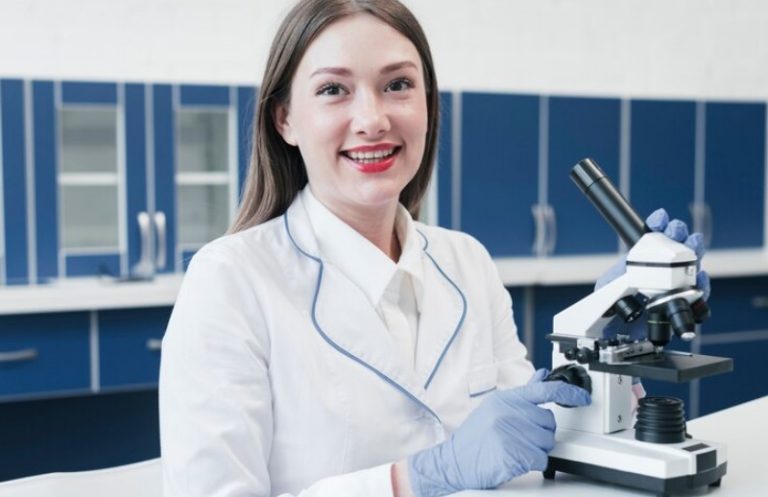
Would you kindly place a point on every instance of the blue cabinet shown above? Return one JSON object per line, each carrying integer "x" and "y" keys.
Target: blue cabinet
{"x": 201, "y": 148}
{"x": 744, "y": 383}
{"x": 129, "y": 346}
{"x": 662, "y": 157}
{"x": 732, "y": 215}
{"x": 106, "y": 178}
{"x": 580, "y": 128}
{"x": 13, "y": 165}
{"x": 499, "y": 170}
{"x": 44, "y": 354}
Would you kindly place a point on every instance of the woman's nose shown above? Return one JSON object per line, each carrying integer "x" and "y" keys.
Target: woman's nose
{"x": 370, "y": 116}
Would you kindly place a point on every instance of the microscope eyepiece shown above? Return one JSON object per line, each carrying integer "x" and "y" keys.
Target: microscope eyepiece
{"x": 593, "y": 182}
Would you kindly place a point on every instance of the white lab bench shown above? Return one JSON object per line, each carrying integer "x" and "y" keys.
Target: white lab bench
{"x": 741, "y": 427}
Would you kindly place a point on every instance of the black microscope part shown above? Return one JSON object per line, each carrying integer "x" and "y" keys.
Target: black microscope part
{"x": 572, "y": 374}
{"x": 701, "y": 311}
{"x": 680, "y": 316}
{"x": 629, "y": 308}
{"x": 593, "y": 182}
{"x": 659, "y": 329}
{"x": 660, "y": 420}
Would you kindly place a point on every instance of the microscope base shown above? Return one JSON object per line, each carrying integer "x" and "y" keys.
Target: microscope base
{"x": 619, "y": 458}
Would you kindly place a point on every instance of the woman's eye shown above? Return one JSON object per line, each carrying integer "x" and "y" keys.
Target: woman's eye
{"x": 331, "y": 89}
{"x": 401, "y": 84}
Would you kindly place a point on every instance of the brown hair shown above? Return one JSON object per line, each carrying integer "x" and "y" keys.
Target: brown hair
{"x": 276, "y": 172}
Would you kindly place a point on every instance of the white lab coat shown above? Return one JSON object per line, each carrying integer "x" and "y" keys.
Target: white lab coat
{"x": 277, "y": 373}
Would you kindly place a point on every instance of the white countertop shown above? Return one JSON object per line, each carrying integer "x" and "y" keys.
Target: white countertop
{"x": 89, "y": 294}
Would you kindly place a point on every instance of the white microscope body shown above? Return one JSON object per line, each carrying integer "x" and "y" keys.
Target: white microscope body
{"x": 599, "y": 441}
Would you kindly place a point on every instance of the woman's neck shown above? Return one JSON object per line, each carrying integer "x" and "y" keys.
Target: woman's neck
{"x": 377, "y": 226}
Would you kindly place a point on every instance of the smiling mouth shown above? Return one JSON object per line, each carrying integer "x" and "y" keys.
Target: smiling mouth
{"x": 371, "y": 157}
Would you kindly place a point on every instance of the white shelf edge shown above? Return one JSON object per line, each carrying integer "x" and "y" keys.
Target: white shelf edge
{"x": 89, "y": 294}
{"x": 94, "y": 294}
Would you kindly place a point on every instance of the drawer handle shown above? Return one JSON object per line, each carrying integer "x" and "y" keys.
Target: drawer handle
{"x": 760, "y": 302}
{"x": 18, "y": 355}
{"x": 154, "y": 344}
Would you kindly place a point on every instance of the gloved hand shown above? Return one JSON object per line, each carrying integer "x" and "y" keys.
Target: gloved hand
{"x": 676, "y": 230}
{"x": 506, "y": 436}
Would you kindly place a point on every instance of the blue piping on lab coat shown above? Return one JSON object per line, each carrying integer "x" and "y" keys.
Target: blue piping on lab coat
{"x": 357, "y": 359}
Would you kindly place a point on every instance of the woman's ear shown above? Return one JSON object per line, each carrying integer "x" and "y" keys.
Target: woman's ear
{"x": 283, "y": 124}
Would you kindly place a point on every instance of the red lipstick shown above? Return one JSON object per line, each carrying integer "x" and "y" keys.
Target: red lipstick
{"x": 372, "y": 164}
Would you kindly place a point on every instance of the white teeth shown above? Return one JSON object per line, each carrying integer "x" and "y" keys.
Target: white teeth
{"x": 379, "y": 154}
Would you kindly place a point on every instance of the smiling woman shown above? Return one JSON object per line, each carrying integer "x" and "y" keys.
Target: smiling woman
{"x": 331, "y": 344}
{"x": 359, "y": 118}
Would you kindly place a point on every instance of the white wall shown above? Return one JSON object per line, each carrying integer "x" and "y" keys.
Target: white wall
{"x": 669, "y": 48}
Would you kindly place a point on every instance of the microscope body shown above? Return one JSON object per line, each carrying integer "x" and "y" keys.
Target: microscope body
{"x": 656, "y": 266}
{"x": 609, "y": 440}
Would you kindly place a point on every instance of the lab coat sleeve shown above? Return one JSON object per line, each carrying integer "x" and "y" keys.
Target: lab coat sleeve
{"x": 215, "y": 398}
{"x": 510, "y": 354}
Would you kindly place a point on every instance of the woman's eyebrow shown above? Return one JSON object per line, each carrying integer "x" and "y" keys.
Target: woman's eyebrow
{"x": 343, "y": 71}
{"x": 397, "y": 66}
{"x": 338, "y": 71}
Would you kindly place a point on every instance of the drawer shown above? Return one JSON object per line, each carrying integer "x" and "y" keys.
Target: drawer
{"x": 129, "y": 346}
{"x": 745, "y": 382}
{"x": 44, "y": 354}
{"x": 738, "y": 304}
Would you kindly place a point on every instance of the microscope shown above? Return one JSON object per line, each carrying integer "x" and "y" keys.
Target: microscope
{"x": 603, "y": 441}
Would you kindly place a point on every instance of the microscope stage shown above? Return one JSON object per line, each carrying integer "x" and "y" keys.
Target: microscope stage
{"x": 670, "y": 366}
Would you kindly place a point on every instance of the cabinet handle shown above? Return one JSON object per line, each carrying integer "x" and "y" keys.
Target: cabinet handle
{"x": 18, "y": 355}
{"x": 154, "y": 344}
{"x": 160, "y": 226}
{"x": 539, "y": 229}
{"x": 144, "y": 268}
{"x": 760, "y": 302}
{"x": 551, "y": 229}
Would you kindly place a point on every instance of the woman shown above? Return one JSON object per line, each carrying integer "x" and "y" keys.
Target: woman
{"x": 331, "y": 345}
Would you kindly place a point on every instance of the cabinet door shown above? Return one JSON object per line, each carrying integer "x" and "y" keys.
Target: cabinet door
{"x": 80, "y": 195}
{"x": 662, "y": 156}
{"x": 196, "y": 166}
{"x": 735, "y": 175}
{"x": 499, "y": 170}
{"x": 13, "y": 163}
{"x": 746, "y": 381}
{"x": 44, "y": 354}
{"x": 580, "y": 128}
{"x": 738, "y": 305}
{"x": 129, "y": 346}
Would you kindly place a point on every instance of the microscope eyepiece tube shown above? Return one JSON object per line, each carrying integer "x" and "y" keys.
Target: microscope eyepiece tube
{"x": 593, "y": 182}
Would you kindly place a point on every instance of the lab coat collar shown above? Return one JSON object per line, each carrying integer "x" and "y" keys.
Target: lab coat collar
{"x": 355, "y": 256}
{"x": 346, "y": 320}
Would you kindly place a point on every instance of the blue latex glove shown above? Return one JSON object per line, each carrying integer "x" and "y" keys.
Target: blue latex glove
{"x": 676, "y": 230}
{"x": 506, "y": 436}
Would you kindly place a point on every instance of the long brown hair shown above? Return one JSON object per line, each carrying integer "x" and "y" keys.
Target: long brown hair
{"x": 276, "y": 172}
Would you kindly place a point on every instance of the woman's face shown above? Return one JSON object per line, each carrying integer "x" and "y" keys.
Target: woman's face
{"x": 358, "y": 113}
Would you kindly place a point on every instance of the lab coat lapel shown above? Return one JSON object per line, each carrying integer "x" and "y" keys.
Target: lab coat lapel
{"x": 344, "y": 317}
{"x": 443, "y": 310}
